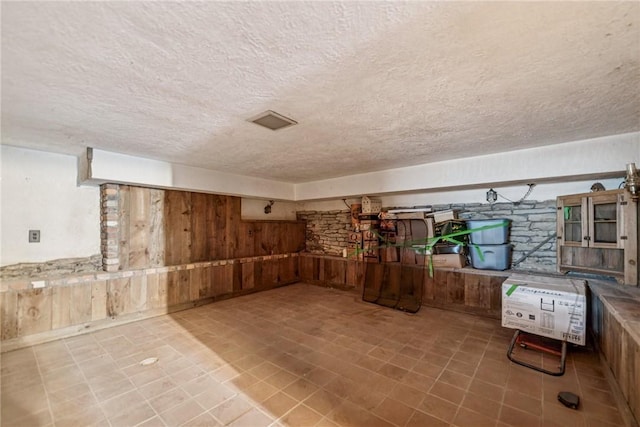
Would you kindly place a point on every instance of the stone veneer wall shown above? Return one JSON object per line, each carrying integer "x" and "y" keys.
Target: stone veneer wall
{"x": 532, "y": 223}
{"x": 58, "y": 267}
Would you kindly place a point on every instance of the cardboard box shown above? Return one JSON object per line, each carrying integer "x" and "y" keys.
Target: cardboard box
{"x": 447, "y": 215}
{"x": 552, "y": 307}
{"x": 448, "y": 260}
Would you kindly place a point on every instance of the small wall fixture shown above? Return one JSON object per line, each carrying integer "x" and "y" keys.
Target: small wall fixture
{"x": 632, "y": 181}
{"x": 492, "y": 196}
{"x": 267, "y": 209}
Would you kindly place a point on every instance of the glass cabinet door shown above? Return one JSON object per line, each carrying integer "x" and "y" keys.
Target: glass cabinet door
{"x": 572, "y": 223}
{"x": 605, "y": 222}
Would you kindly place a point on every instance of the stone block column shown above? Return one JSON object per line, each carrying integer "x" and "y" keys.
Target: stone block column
{"x": 109, "y": 228}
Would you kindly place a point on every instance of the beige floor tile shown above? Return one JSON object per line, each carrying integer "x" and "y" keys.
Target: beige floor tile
{"x": 253, "y": 418}
{"x": 231, "y": 409}
{"x": 278, "y": 404}
{"x": 182, "y": 413}
{"x": 345, "y": 360}
{"x": 438, "y": 408}
{"x": 394, "y": 411}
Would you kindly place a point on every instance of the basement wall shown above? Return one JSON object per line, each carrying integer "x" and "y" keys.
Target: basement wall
{"x": 533, "y": 223}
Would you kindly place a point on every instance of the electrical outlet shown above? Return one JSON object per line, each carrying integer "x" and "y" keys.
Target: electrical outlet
{"x": 34, "y": 236}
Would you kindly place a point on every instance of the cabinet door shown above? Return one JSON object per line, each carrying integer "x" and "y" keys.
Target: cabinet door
{"x": 604, "y": 230}
{"x": 572, "y": 221}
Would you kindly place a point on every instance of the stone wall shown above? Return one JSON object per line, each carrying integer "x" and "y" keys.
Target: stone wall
{"x": 327, "y": 232}
{"x": 55, "y": 268}
{"x": 533, "y": 224}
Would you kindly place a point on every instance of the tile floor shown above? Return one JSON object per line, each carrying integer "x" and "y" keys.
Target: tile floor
{"x": 297, "y": 356}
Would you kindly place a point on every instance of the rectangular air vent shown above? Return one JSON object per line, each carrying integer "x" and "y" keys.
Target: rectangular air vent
{"x": 272, "y": 120}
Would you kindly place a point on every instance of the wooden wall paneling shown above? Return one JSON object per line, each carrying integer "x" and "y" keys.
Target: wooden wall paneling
{"x": 477, "y": 291}
{"x": 139, "y": 227}
{"x": 81, "y": 304}
{"x": 335, "y": 271}
{"x": 306, "y": 268}
{"x": 228, "y": 277}
{"x": 34, "y": 311}
{"x": 411, "y": 288}
{"x": 99, "y": 300}
{"x": 248, "y": 279}
{"x": 201, "y": 207}
{"x": 257, "y": 236}
{"x": 61, "y": 303}
{"x": 269, "y": 273}
{"x": 237, "y": 276}
{"x": 218, "y": 280}
{"x": 178, "y": 289}
{"x": 355, "y": 273}
{"x": 495, "y": 296}
{"x": 124, "y": 208}
{"x": 257, "y": 274}
{"x": 158, "y": 289}
{"x": 118, "y": 296}
{"x": 245, "y": 240}
{"x": 201, "y": 280}
{"x": 287, "y": 270}
{"x": 634, "y": 393}
{"x": 156, "y": 228}
{"x": 8, "y": 315}
{"x": 195, "y": 279}
{"x": 218, "y": 228}
{"x": 440, "y": 279}
{"x": 269, "y": 238}
{"x": 177, "y": 213}
{"x": 455, "y": 288}
{"x": 390, "y": 286}
{"x": 429, "y": 287}
{"x": 138, "y": 295}
{"x": 372, "y": 281}
{"x": 232, "y": 229}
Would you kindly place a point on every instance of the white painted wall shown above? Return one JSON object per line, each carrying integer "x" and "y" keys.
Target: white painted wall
{"x": 39, "y": 191}
{"x": 112, "y": 167}
{"x": 596, "y": 159}
{"x": 541, "y": 192}
{"x": 254, "y": 209}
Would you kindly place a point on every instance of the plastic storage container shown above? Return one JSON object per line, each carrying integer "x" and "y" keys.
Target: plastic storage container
{"x": 492, "y": 236}
{"x": 496, "y": 257}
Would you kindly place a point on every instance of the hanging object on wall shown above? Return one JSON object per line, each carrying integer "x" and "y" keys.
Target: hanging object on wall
{"x": 632, "y": 181}
{"x": 492, "y": 196}
{"x": 267, "y": 209}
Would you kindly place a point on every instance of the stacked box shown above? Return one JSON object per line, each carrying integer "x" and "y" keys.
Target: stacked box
{"x": 552, "y": 307}
{"x": 491, "y": 243}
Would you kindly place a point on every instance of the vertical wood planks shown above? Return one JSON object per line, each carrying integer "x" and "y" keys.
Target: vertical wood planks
{"x": 177, "y": 214}
{"x": 200, "y": 222}
{"x": 8, "y": 315}
{"x": 118, "y": 296}
{"x": 34, "y": 311}
{"x": 248, "y": 279}
{"x": 139, "y": 205}
{"x": 124, "y": 208}
{"x": 99, "y": 300}
{"x": 156, "y": 228}
{"x": 81, "y": 307}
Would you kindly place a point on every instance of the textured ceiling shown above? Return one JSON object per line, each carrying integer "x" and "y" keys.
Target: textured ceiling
{"x": 372, "y": 85}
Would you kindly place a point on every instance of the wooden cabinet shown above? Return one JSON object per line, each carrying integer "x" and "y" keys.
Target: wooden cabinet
{"x": 597, "y": 233}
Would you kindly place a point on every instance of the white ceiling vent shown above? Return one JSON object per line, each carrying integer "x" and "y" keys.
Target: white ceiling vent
{"x": 272, "y": 120}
